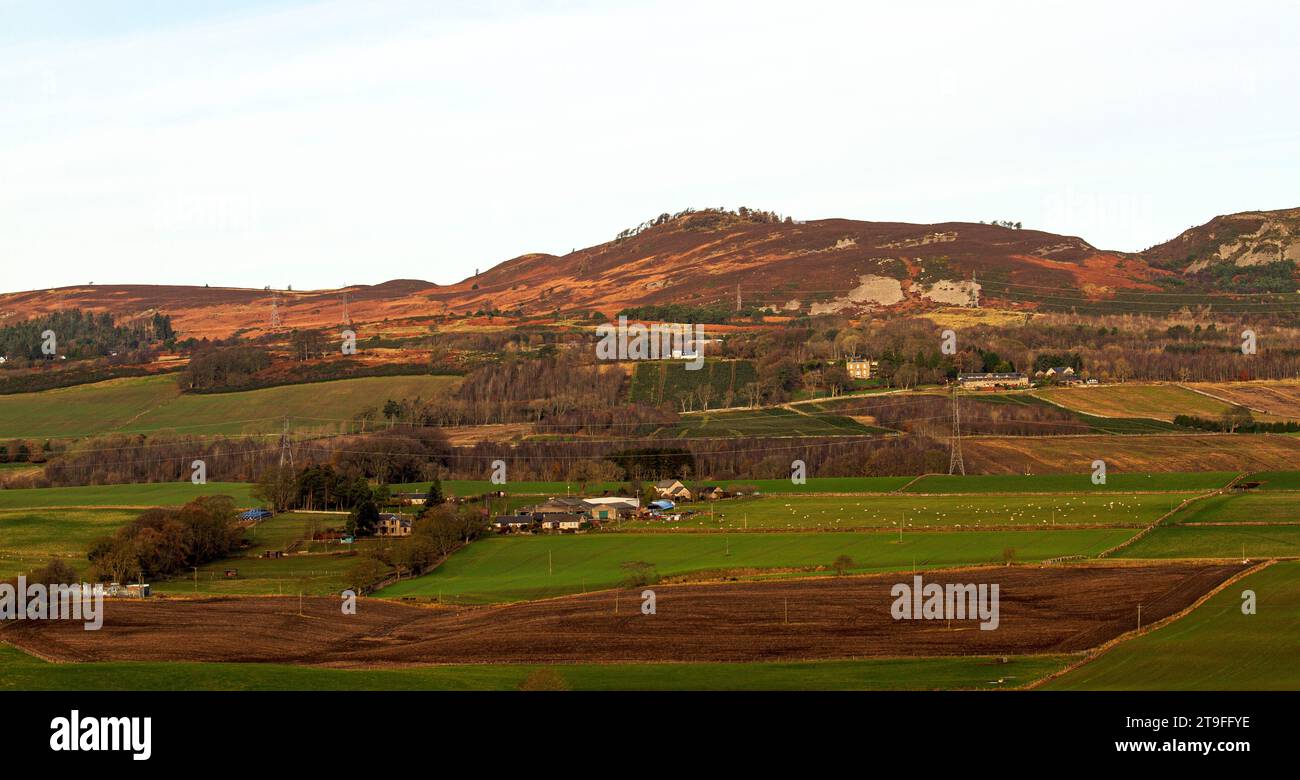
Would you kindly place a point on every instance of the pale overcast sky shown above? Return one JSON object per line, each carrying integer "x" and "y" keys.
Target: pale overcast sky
{"x": 320, "y": 144}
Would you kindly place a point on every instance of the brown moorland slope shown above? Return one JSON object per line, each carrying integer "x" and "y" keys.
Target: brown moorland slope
{"x": 702, "y": 257}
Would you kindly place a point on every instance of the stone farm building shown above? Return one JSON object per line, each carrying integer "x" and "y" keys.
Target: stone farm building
{"x": 992, "y": 381}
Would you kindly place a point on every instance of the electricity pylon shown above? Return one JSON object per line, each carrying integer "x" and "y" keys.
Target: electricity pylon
{"x": 955, "y": 463}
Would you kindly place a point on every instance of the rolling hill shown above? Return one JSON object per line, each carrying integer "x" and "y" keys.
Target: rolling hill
{"x": 706, "y": 258}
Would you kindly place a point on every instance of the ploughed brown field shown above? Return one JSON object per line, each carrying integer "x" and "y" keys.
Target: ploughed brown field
{"x": 1149, "y": 452}
{"x": 1042, "y": 610}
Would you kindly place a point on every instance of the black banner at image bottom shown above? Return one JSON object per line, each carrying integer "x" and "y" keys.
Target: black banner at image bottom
{"x": 150, "y": 731}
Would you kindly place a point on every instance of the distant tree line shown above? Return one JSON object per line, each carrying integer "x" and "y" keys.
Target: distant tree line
{"x": 680, "y": 312}
{"x": 81, "y": 335}
{"x": 50, "y": 376}
{"x": 1237, "y": 420}
{"x": 224, "y": 367}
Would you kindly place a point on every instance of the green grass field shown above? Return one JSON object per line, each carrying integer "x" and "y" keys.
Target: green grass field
{"x": 1276, "y": 480}
{"x": 1234, "y": 507}
{"x": 1216, "y": 647}
{"x": 29, "y": 538}
{"x": 1254, "y": 541}
{"x": 108, "y": 496}
{"x": 827, "y": 513}
{"x": 147, "y": 404}
{"x": 19, "y": 671}
{"x": 282, "y": 531}
{"x": 312, "y": 575}
{"x": 1072, "y": 483}
{"x": 526, "y": 567}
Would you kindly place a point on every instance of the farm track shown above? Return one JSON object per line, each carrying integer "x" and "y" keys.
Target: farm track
{"x": 1043, "y": 610}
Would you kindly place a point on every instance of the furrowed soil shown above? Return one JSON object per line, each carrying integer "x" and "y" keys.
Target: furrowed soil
{"x": 1148, "y": 453}
{"x": 1042, "y": 610}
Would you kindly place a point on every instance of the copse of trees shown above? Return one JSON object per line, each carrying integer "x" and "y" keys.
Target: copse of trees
{"x": 706, "y": 218}
{"x": 22, "y": 451}
{"x": 521, "y": 390}
{"x": 325, "y": 488}
{"x": 308, "y": 344}
{"x": 224, "y": 367}
{"x": 319, "y": 487}
{"x": 161, "y": 542}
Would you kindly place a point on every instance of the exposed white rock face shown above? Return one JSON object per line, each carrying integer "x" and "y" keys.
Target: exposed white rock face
{"x": 872, "y": 290}
{"x": 957, "y": 293}
{"x": 1260, "y": 256}
{"x": 928, "y": 238}
{"x": 1272, "y": 242}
